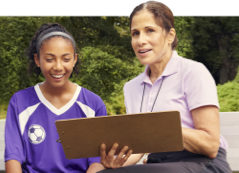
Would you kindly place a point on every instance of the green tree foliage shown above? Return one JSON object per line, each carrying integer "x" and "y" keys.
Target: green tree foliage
{"x": 16, "y": 33}
{"x": 228, "y": 95}
{"x": 108, "y": 58}
{"x": 215, "y": 43}
{"x": 102, "y": 72}
{"x": 183, "y": 31}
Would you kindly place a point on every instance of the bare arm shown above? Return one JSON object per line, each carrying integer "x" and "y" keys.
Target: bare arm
{"x": 124, "y": 157}
{"x": 13, "y": 166}
{"x": 205, "y": 139}
{"x": 133, "y": 159}
{"x": 95, "y": 167}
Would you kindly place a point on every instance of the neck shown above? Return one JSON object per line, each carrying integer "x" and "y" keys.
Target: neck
{"x": 56, "y": 91}
{"x": 157, "y": 68}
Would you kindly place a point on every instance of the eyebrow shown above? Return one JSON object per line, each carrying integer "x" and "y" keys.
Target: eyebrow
{"x": 49, "y": 54}
{"x": 54, "y": 55}
{"x": 66, "y": 54}
{"x": 144, "y": 28}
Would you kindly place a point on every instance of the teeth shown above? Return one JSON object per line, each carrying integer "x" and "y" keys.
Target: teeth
{"x": 57, "y": 76}
{"x": 144, "y": 51}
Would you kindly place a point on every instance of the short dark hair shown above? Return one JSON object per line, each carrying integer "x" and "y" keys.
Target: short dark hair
{"x": 32, "y": 49}
{"x": 163, "y": 16}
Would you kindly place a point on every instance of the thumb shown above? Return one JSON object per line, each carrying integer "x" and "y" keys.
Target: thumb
{"x": 145, "y": 161}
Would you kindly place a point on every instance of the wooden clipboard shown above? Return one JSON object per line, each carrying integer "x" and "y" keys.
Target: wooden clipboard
{"x": 143, "y": 133}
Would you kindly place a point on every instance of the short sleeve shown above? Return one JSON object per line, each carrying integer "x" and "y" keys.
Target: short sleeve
{"x": 125, "y": 103}
{"x": 100, "y": 112}
{"x": 200, "y": 87}
{"x": 14, "y": 146}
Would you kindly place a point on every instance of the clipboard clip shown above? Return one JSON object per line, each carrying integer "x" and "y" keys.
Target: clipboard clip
{"x": 58, "y": 140}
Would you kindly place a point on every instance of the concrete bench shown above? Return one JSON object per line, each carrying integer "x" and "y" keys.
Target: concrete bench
{"x": 229, "y": 129}
{"x": 229, "y": 122}
{"x": 2, "y": 144}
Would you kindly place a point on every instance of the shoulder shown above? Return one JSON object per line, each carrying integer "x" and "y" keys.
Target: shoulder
{"x": 190, "y": 71}
{"x": 194, "y": 71}
{"x": 25, "y": 96}
{"x": 90, "y": 99}
{"x": 133, "y": 82}
{"x": 23, "y": 99}
{"x": 189, "y": 63}
{"x": 192, "y": 67}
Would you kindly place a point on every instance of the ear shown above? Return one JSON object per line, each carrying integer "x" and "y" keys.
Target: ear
{"x": 75, "y": 60}
{"x": 37, "y": 61}
{"x": 171, "y": 35}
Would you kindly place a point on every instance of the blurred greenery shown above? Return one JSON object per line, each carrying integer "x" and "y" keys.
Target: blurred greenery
{"x": 228, "y": 95}
{"x": 215, "y": 44}
{"x": 3, "y": 109}
{"x": 109, "y": 61}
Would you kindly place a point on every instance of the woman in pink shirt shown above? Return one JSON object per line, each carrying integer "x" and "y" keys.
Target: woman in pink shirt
{"x": 171, "y": 82}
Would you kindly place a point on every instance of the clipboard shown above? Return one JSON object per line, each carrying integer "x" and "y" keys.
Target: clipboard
{"x": 143, "y": 133}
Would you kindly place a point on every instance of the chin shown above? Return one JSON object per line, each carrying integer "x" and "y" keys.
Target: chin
{"x": 57, "y": 85}
{"x": 145, "y": 62}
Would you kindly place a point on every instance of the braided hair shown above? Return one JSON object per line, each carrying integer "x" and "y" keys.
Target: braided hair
{"x": 32, "y": 49}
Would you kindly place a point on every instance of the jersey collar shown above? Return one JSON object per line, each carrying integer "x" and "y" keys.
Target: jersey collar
{"x": 171, "y": 68}
{"x": 52, "y": 108}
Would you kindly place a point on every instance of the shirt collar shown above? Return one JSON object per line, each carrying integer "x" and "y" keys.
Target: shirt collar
{"x": 172, "y": 67}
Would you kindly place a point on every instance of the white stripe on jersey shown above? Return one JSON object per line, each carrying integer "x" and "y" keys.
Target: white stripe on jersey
{"x": 24, "y": 116}
{"x": 64, "y": 108}
{"x": 86, "y": 109}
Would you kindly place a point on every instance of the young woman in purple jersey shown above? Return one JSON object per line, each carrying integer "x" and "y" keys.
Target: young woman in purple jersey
{"x": 30, "y": 133}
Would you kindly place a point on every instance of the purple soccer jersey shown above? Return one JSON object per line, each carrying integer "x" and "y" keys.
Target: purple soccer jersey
{"x": 30, "y": 132}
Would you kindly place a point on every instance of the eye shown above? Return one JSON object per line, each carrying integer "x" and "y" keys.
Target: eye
{"x": 150, "y": 30}
{"x": 67, "y": 59}
{"x": 49, "y": 59}
{"x": 134, "y": 33}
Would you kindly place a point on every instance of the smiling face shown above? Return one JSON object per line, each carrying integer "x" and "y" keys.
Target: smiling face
{"x": 151, "y": 43}
{"x": 56, "y": 61}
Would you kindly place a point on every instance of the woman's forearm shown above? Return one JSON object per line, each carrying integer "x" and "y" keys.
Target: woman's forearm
{"x": 133, "y": 159}
{"x": 95, "y": 167}
{"x": 200, "y": 142}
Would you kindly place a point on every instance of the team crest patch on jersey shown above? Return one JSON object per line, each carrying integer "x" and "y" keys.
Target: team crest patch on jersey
{"x": 36, "y": 134}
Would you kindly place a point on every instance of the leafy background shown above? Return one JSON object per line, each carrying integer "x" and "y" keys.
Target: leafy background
{"x": 109, "y": 61}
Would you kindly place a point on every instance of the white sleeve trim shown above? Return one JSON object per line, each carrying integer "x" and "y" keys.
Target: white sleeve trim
{"x": 87, "y": 110}
{"x": 25, "y": 115}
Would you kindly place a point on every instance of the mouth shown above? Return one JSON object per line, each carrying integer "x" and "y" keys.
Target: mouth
{"x": 58, "y": 76}
{"x": 144, "y": 51}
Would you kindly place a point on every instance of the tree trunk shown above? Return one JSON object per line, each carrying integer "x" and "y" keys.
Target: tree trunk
{"x": 223, "y": 75}
{"x": 228, "y": 71}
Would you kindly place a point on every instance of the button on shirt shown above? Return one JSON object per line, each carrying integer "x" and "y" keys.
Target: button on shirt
{"x": 153, "y": 91}
{"x": 187, "y": 85}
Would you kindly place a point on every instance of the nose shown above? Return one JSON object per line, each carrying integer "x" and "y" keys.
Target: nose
{"x": 141, "y": 39}
{"x": 58, "y": 65}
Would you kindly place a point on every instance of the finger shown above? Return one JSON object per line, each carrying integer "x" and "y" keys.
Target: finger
{"x": 125, "y": 158}
{"x": 121, "y": 154}
{"x": 145, "y": 161}
{"x": 103, "y": 153}
{"x": 118, "y": 160}
{"x": 113, "y": 150}
{"x": 110, "y": 157}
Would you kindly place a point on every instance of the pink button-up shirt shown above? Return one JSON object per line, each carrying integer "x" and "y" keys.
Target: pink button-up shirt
{"x": 183, "y": 86}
